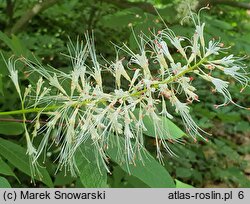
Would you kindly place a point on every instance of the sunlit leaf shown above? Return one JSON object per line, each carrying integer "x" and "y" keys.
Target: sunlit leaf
{"x": 10, "y": 127}
{"x": 165, "y": 126}
{"x": 180, "y": 184}
{"x": 17, "y": 156}
{"x": 4, "y": 183}
{"x": 5, "y": 169}
{"x": 92, "y": 174}
{"x": 150, "y": 171}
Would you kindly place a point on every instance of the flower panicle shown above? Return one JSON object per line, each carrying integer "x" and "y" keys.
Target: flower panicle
{"x": 86, "y": 112}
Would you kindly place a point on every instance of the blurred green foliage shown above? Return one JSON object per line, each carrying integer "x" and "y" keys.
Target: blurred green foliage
{"x": 222, "y": 162}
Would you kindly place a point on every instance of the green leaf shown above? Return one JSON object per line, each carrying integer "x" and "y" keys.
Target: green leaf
{"x": 223, "y": 25}
{"x": 215, "y": 31}
{"x": 122, "y": 18}
{"x": 144, "y": 26}
{"x": 3, "y": 68}
{"x": 168, "y": 12}
{"x": 91, "y": 175}
{"x": 16, "y": 45}
{"x": 5, "y": 169}
{"x": 6, "y": 39}
{"x": 1, "y": 84}
{"x": 233, "y": 174}
{"x": 4, "y": 183}
{"x": 231, "y": 117}
{"x": 183, "y": 172}
{"x": 10, "y": 128}
{"x": 174, "y": 131}
{"x": 238, "y": 176}
{"x": 242, "y": 126}
{"x": 151, "y": 172}
{"x": 180, "y": 184}
{"x": 61, "y": 179}
{"x": 19, "y": 50}
{"x": 121, "y": 179}
{"x": 17, "y": 156}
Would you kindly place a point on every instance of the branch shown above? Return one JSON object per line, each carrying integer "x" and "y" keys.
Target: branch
{"x": 10, "y": 10}
{"x": 19, "y": 120}
{"x": 35, "y": 10}
{"x": 14, "y": 120}
{"x": 243, "y": 5}
{"x": 150, "y": 8}
{"x": 126, "y": 4}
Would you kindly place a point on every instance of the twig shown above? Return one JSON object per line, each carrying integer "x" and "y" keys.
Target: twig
{"x": 20, "y": 120}
{"x": 36, "y": 9}
{"x": 243, "y": 5}
{"x": 126, "y": 4}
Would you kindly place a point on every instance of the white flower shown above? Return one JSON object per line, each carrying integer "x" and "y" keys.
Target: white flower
{"x": 96, "y": 69}
{"x": 189, "y": 123}
{"x": 27, "y": 92}
{"x": 164, "y": 48}
{"x": 200, "y": 32}
{"x": 53, "y": 81}
{"x": 31, "y": 151}
{"x": 94, "y": 134}
{"x": 119, "y": 71}
{"x": 30, "y": 148}
{"x": 175, "y": 41}
{"x": 195, "y": 48}
{"x": 135, "y": 77}
{"x": 161, "y": 131}
{"x": 13, "y": 74}
{"x": 37, "y": 125}
{"x": 188, "y": 89}
{"x": 39, "y": 85}
{"x": 128, "y": 135}
{"x": 119, "y": 94}
{"x": 75, "y": 75}
{"x": 116, "y": 125}
{"x": 160, "y": 48}
{"x": 221, "y": 86}
{"x": 225, "y": 61}
{"x": 199, "y": 27}
{"x": 164, "y": 111}
{"x": 42, "y": 96}
{"x": 78, "y": 58}
{"x": 142, "y": 61}
{"x": 78, "y": 54}
{"x": 164, "y": 90}
{"x": 239, "y": 76}
{"x": 213, "y": 48}
{"x": 177, "y": 68}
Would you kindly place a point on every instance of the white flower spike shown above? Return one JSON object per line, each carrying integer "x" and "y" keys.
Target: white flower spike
{"x": 87, "y": 112}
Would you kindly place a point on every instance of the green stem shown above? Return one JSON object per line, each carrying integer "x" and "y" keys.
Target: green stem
{"x": 31, "y": 110}
{"x": 166, "y": 81}
{"x": 182, "y": 73}
{"x": 173, "y": 78}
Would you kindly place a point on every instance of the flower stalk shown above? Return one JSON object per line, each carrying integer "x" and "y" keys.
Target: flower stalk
{"x": 54, "y": 107}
